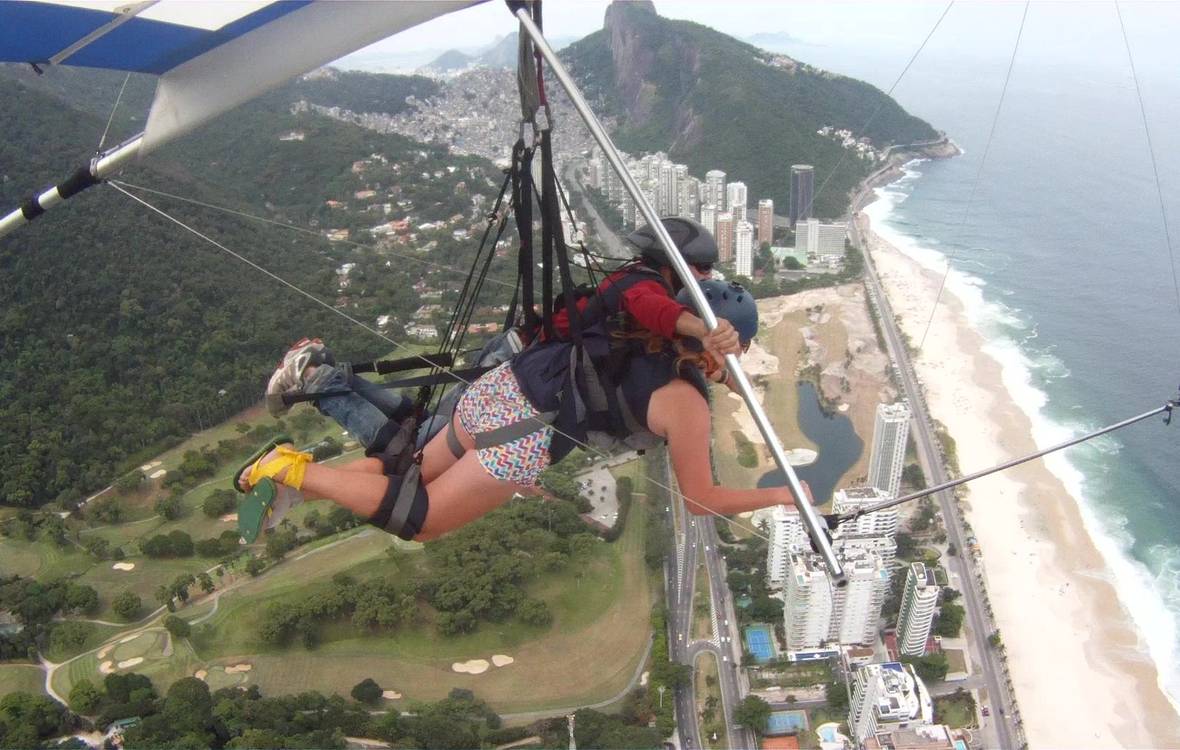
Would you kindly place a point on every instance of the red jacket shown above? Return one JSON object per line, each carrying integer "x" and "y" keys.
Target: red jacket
{"x": 647, "y": 302}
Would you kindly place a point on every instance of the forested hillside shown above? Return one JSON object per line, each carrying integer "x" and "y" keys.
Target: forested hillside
{"x": 120, "y": 333}
{"x": 713, "y": 102}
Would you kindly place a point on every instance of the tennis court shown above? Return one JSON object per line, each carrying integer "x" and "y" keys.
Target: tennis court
{"x": 786, "y": 722}
{"x": 760, "y": 642}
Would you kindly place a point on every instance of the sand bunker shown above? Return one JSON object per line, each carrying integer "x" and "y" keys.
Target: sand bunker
{"x": 390, "y": 695}
{"x": 106, "y": 668}
{"x": 229, "y": 517}
{"x": 158, "y": 474}
{"x": 130, "y": 662}
{"x": 473, "y": 666}
{"x": 801, "y": 456}
{"x": 124, "y": 566}
{"x": 239, "y": 668}
{"x": 200, "y": 674}
{"x": 643, "y": 679}
{"x": 103, "y": 654}
{"x": 500, "y": 660}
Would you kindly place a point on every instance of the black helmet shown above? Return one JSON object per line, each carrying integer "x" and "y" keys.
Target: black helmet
{"x": 731, "y": 301}
{"x": 695, "y": 243}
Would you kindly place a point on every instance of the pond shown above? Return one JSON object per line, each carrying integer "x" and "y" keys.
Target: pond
{"x": 835, "y": 440}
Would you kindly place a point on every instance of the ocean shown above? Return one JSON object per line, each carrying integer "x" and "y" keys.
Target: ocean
{"x": 1059, "y": 253}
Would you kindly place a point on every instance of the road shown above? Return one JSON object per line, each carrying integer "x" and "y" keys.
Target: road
{"x": 999, "y": 731}
{"x": 700, "y": 538}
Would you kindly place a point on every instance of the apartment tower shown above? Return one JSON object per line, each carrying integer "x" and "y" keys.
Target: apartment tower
{"x": 802, "y": 192}
{"x": 890, "y": 432}
{"x": 765, "y": 222}
{"x": 919, "y": 601}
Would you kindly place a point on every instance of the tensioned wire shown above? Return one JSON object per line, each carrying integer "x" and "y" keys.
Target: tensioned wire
{"x": 978, "y": 172}
{"x": 114, "y": 109}
{"x": 881, "y": 104}
{"x": 1151, "y": 152}
{"x": 675, "y": 493}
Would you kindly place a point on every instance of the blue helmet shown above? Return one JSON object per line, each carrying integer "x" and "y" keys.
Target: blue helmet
{"x": 731, "y": 301}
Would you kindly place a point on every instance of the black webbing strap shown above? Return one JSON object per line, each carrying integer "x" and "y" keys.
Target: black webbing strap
{"x": 555, "y": 243}
{"x": 522, "y": 208}
{"x": 389, "y": 366}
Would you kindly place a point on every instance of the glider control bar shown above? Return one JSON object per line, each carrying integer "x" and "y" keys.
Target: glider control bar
{"x": 818, "y": 534}
{"x": 835, "y": 520}
{"x": 100, "y": 167}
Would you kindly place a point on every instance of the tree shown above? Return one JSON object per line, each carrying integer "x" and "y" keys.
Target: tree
{"x": 994, "y": 640}
{"x": 85, "y": 698}
{"x": 205, "y": 582}
{"x": 535, "y": 612}
{"x": 367, "y": 691}
{"x": 127, "y": 605}
{"x": 178, "y": 627}
{"x": 931, "y": 667}
{"x": 219, "y": 502}
{"x": 950, "y": 620}
{"x": 255, "y": 565}
{"x": 81, "y": 599}
{"x": 752, "y": 713}
{"x": 129, "y": 482}
{"x": 837, "y": 697}
{"x": 791, "y": 263}
{"x": 170, "y": 507}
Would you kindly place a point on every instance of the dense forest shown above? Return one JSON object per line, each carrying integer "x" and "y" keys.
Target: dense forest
{"x": 121, "y": 333}
{"x": 713, "y": 102}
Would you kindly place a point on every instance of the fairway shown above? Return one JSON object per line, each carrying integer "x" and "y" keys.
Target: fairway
{"x": 600, "y": 607}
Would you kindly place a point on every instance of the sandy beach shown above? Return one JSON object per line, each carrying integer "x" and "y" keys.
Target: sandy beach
{"x": 1081, "y": 675}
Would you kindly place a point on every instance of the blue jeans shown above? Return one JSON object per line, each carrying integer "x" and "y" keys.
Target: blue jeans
{"x": 365, "y": 411}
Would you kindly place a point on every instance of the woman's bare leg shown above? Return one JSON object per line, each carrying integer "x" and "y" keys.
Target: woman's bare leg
{"x": 462, "y": 494}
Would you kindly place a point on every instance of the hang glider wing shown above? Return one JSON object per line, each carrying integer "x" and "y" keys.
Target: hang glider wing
{"x": 210, "y": 56}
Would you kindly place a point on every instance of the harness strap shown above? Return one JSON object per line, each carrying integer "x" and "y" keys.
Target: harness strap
{"x": 514, "y": 430}
{"x": 404, "y": 506}
{"x": 453, "y": 440}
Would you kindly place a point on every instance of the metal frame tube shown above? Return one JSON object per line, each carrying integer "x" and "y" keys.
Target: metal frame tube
{"x": 101, "y": 166}
{"x": 811, "y": 521}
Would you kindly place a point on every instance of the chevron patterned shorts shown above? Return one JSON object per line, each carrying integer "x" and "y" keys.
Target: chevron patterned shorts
{"x": 493, "y": 401}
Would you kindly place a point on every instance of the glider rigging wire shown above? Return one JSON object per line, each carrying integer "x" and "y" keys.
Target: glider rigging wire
{"x": 1151, "y": 152}
{"x": 978, "y": 172}
{"x": 111, "y": 119}
{"x": 888, "y": 94}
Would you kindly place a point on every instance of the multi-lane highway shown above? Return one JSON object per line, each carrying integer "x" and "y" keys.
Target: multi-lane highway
{"x": 999, "y": 731}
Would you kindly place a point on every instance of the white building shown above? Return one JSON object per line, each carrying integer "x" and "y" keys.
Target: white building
{"x": 856, "y": 607}
{"x": 824, "y": 242}
{"x": 685, "y": 189}
{"x": 709, "y": 218}
{"x": 887, "y": 696}
{"x": 817, "y": 613}
{"x": 878, "y": 523}
{"x": 891, "y": 429}
{"x": 669, "y": 189}
{"x": 919, "y": 601}
{"x": 807, "y": 602}
{"x": 787, "y": 535}
{"x": 715, "y": 189}
{"x": 744, "y": 249}
{"x": 884, "y": 547}
{"x": 735, "y": 200}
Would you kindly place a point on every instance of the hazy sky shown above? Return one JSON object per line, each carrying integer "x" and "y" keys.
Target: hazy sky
{"x": 1054, "y": 30}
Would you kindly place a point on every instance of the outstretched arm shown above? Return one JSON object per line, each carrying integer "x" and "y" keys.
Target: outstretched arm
{"x": 680, "y": 414}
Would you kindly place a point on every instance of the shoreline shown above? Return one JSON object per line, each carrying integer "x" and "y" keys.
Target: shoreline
{"x": 1071, "y": 645}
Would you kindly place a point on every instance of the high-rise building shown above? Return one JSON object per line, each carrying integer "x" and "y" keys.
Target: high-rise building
{"x": 802, "y": 192}
{"x": 715, "y": 189}
{"x": 709, "y": 218}
{"x": 807, "y": 602}
{"x": 669, "y": 190}
{"x": 887, "y": 696}
{"x": 918, "y": 604}
{"x": 724, "y": 236}
{"x": 684, "y": 192}
{"x": 816, "y": 612}
{"x": 823, "y": 241}
{"x": 735, "y": 200}
{"x": 744, "y": 249}
{"x": 856, "y": 607}
{"x": 878, "y": 523}
{"x": 765, "y": 222}
{"x": 787, "y": 535}
{"x": 890, "y": 432}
